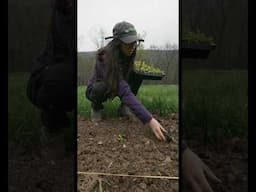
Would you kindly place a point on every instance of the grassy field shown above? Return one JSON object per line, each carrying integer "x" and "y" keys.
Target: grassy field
{"x": 215, "y": 103}
{"x": 23, "y": 117}
{"x": 24, "y": 120}
{"x": 158, "y": 99}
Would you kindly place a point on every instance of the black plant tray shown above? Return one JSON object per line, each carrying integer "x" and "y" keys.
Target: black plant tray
{"x": 196, "y": 49}
{"x": 149, "y": 76}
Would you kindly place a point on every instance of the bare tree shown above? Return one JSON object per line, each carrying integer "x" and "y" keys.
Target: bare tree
{"x": 80, "y": 41}
{"x": 141, "y": 55}
{"x": 98, "y": 37}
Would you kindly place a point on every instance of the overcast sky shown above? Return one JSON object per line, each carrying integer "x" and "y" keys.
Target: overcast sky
{"x": 158, "y": 18}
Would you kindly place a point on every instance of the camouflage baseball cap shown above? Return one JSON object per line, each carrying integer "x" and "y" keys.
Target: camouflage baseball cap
{"x": 126, "y": 32}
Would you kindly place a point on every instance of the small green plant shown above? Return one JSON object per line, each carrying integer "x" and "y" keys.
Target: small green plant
{"x": 141, "y": 66}
{"x": 121, "y": 138}
{"x": 198, "y": 37}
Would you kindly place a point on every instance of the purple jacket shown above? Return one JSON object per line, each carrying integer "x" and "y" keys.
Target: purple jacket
{"x": 124, "y": 93}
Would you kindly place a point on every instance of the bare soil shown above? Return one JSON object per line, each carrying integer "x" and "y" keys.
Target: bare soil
{"x": 121, "y": 146}
{"x": 126, "y": 146}
{"x": 47, "y": 168}
{"x": 228, "y": 160}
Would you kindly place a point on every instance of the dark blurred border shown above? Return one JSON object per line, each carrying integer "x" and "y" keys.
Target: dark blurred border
{"x": 28, "y": 26}
{"x": 214, "y": 88}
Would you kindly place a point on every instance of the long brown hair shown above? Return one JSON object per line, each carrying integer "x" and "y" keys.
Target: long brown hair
{"x": 117, "y": 66}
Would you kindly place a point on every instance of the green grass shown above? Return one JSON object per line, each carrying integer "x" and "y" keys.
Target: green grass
{"x": 158, "y": 99}
{"x": 24, "y": 121}
{"x": 23, "y": 117}
{"x": 215, "y": 104}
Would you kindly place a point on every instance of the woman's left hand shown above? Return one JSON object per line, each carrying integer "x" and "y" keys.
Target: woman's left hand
{"x": 157, "y": 129}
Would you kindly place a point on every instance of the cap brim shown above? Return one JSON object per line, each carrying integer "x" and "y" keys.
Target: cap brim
{"x": 129, "y": 39}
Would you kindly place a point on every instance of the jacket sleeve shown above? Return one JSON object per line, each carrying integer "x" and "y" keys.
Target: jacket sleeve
{"x": 130, "y": 100}
{"x": 64, "y": 32}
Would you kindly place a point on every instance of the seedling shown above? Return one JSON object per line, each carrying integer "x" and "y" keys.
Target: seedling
{"x": 198, "y": 37}
{"x": 142, "y": 67}
{"x": 121, "y": 138}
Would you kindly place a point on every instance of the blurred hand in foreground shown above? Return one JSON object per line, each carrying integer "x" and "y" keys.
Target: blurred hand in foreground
{"x": 195, "y": 172}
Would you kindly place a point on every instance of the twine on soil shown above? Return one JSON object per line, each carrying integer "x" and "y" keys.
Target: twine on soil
{"x": 125, "y": 175}
{"x": 100, "y": 185}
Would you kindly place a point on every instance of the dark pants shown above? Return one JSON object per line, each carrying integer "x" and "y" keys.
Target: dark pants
{"x": 51, "y": 89}
{"x": 99, "y": 92}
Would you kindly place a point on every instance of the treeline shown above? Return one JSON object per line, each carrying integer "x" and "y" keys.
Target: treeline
{"x": 166, "y": 60}
{"x": 227, "y": 22}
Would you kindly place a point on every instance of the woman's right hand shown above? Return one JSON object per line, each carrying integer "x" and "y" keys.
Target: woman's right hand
{"x": 157, "y": 129}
